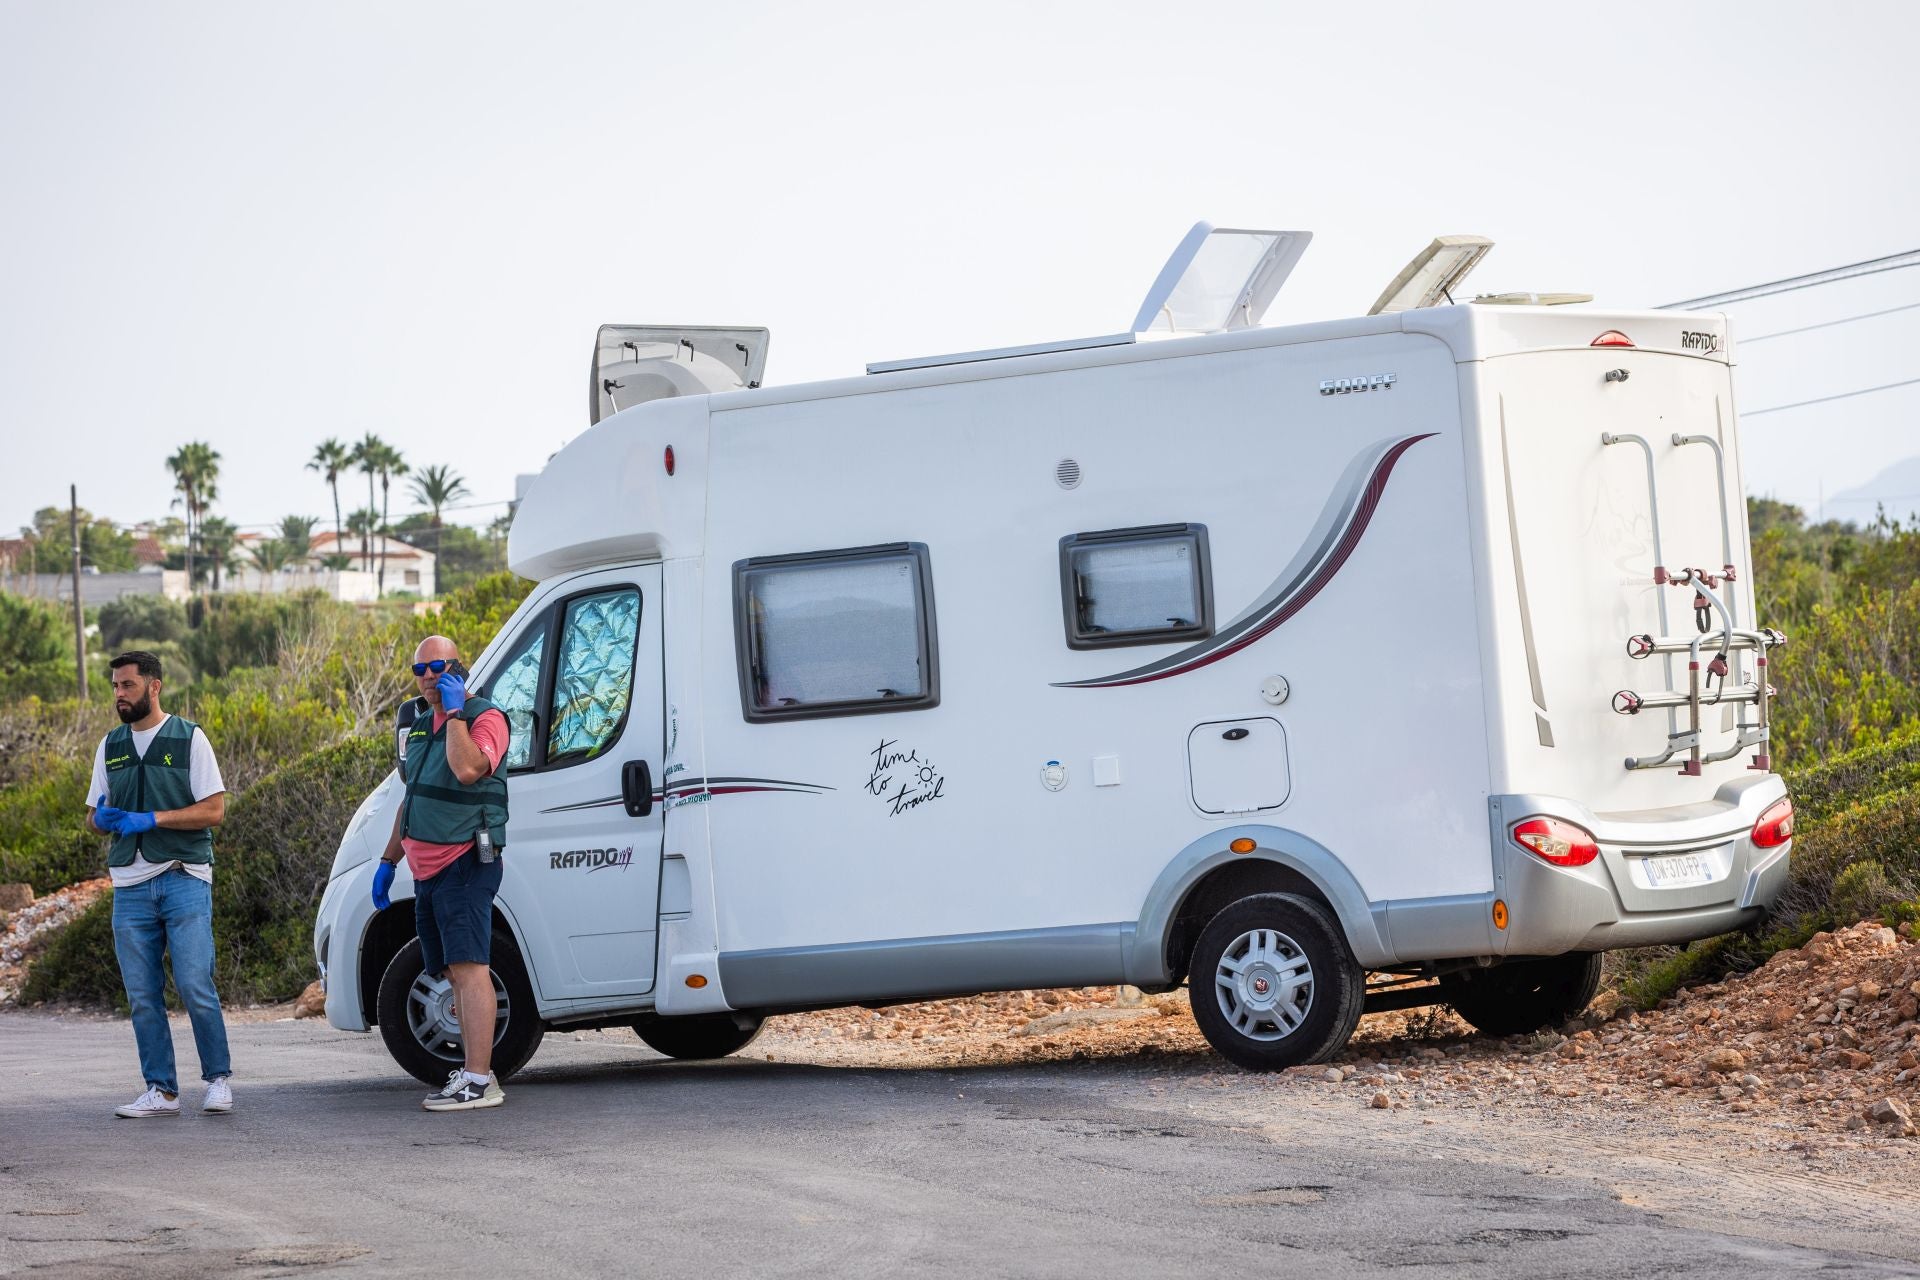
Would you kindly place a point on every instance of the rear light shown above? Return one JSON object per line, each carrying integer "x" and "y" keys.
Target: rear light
{"x": 1551, "y": 840}
{"x": 1612, "y": 338}
{"x": 1775, "y": 827}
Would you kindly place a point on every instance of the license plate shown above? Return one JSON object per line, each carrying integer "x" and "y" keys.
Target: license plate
{"x": 1679, "y": 870}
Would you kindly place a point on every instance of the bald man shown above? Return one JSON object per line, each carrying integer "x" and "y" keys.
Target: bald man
{"x": 451, "y": 828}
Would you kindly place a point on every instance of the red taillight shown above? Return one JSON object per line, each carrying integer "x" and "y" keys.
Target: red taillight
{"x": 1612, "y": 338}
{"x": 1775, "y": 827}
{"x": 668, "y": 459}
{"x": 1551, "y": 840}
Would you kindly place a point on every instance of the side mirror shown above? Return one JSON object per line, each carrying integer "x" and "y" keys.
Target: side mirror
{"x": 410, "y": 710}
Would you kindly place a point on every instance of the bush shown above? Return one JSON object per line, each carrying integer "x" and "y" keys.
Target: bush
{"x": 258, "y": 723}
{"x": 1823, "y": 789}
{"x": 272, "y": 857}
{"x": 149, "y": 620}
{"x": 44, "y": 839}
{"x": 1863, "y": 892}
{"x": 80, "y": 964}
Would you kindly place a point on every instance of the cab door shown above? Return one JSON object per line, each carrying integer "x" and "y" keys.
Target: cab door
{"x": 582, "y": 687}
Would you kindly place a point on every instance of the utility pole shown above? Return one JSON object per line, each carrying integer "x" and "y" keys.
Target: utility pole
{"x": 79, "y": 614}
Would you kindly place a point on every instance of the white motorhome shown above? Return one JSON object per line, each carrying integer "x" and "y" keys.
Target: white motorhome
{"x": 1301, "y": 664}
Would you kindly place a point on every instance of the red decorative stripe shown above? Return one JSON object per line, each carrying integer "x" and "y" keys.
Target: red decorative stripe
{"x": 1356, "y": 528}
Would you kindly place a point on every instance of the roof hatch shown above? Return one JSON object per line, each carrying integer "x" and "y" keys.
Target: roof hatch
{"x": 635, "y": 363}
{"x": 1220, "y": 278}
{"x": 1435, "y": 272}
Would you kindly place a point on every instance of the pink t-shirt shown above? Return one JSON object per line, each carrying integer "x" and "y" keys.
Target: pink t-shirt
{"x": 489, "y": 732}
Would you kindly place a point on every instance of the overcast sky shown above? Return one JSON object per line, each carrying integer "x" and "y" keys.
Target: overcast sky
{"x": 261, "y": 225}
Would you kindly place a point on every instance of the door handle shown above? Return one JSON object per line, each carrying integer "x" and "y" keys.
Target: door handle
{"x": 1234, "y": 735}
{"x": 636, "y": 788}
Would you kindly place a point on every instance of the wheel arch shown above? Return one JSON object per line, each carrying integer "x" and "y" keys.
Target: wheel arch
{"x": 1207, "y": 875}
{"x": 392, "y": 929}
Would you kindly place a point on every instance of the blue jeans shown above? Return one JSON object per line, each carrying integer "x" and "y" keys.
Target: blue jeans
{"x": 171, "y": 912}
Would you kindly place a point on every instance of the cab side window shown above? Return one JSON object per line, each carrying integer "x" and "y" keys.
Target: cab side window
{"x": 593, "y": 674}
{"x": 516, "y": 691}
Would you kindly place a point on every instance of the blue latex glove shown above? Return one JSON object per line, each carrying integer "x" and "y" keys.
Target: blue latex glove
{"x": 106, "y": 817}
{"x": 453, "y": 692}
{"x": 133, "y": 824}
{"x": 382, "y": 882}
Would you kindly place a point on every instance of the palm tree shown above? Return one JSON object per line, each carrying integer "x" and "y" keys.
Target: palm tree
{"x": 217, "y": 536}
{"x": 366, "y": 455}
{"x": 391, "y": 464}
{"x": 330, "y": 458}
{"x": 437, "y": 487}
{"x": 296, "y": 535}
{"x": 196, "y": 468}
{"x": 270, "y": 555}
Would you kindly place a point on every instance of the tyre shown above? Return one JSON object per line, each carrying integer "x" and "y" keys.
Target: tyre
{"x": 1524, "y": 995}
{"x": 700, "y": 1036}
{"x": 1273, "y": 984}
{"x": 417, "y": 1017}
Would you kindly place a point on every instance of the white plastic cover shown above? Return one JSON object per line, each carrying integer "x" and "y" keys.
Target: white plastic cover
{"x": 1435, "y": 272}
{"x": 634, "y": 363}
{"x": 1220, "y": 278}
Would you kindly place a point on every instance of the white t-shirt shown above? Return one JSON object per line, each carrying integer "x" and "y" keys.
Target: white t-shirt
{"x": 203, "y": 776}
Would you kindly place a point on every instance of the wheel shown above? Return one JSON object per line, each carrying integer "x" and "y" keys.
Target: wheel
{"x": 1524, "y": 995}
{"x": 417, "y": 1018}
{"x": 1273, "y": 984}
{"x": 699, "y": 1036}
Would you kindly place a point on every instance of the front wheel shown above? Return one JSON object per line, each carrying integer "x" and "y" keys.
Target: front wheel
{"x": 697, "y": 1036}
{"x": 1524, "y": 995}
{"x": 419, "y": 1024}
{"x": 1273, "y": 983}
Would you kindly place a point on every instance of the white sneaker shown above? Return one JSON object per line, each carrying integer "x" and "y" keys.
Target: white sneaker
{"x": 219, "y": 1099}
{"x": 149, "y": 1104}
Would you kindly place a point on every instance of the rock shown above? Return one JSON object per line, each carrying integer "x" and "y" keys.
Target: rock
{"x": 1725, "y": 1058}
{"x": 1869, "y": 989}
{"x": 1890, "y": 1111}
{"x": 1067, "y": 1019}
{"x": 1332, "y": 1075}
{"x": 1882, "y": 936}
{"x": 1380, "y": 1102}
{"x": 1857, "y": 1059}
{"x": 15, "y": 897}
{"x": 312, "y": 1002}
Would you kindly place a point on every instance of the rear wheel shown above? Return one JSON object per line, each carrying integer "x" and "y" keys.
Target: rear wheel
{"x": 698, "y": 1036}
{"x": 419, "y": 1024}
{"x": 1273, "y": 984}
{"x": 1524, "y": 995}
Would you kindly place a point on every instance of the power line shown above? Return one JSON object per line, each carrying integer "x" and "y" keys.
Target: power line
{"x": 1828, "y": 324}
{"x": 1872, "y": 266}
{"x": 1844, "y": 395}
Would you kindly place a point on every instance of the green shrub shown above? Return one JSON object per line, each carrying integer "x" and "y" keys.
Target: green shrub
{"x": 80, "y": 965}
{"x": 1840, "y": 781}
{"x": 1863, "y": 891}
{"x": 150, "y": 620}
{"x": 44, "y": 840}
{"x": 272, "y": 856}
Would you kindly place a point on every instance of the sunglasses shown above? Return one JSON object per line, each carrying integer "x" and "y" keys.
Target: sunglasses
{"x": 436, "y": 666}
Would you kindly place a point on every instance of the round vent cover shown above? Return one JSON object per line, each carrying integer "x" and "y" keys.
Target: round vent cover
{"x": 1067, "y": 473}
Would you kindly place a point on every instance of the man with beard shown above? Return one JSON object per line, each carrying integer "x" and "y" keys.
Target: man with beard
{"x": 157, "y": 792}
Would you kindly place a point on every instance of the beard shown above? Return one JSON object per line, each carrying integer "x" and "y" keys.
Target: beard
{"x": 138, "y": 711}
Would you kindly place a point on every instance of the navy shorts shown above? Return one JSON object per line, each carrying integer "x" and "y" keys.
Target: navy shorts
{"x": 453, "y": 912}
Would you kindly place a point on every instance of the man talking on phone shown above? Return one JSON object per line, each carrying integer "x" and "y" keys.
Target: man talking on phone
{"x": 452, "y": 827}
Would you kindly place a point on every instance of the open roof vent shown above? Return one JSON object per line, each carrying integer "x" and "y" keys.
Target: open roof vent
{"x": 1219, "y": 278}
{"x": 1435, "y": 272}
{"x": 635, "y": 363}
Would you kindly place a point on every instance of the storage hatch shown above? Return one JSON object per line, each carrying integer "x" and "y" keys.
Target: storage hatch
{"x": 1238, "y": 766}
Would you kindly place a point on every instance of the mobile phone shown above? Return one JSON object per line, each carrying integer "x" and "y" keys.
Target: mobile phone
{"x": 457, "y": 667}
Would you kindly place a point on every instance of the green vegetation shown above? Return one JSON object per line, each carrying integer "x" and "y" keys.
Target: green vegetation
{"x": 296, "y": 694}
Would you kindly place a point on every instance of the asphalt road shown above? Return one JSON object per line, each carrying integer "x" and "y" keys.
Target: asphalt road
{"x": 608, "y": 1160}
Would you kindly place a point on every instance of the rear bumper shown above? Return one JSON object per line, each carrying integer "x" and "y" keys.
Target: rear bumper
{"x": 1611, "y": 902}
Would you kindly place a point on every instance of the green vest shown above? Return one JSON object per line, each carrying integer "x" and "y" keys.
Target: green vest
{"x": 162, "y": 779}
{"x": 440, "y": 808}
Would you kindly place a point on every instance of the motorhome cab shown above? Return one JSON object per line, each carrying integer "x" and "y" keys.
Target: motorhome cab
{"x": 1301, "y": 665}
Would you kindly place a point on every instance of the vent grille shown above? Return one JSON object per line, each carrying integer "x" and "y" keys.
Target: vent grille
{"x": 1067, "y": 474}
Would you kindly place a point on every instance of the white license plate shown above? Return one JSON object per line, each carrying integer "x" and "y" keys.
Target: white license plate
{"x": 1679, "y": 870}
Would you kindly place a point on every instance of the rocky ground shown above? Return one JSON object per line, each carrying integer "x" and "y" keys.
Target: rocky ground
{"x": 27, "y": 926}
{"x": 1819, "y": 1040}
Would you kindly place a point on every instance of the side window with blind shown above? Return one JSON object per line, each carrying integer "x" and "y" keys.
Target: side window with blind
{"x": 1150, "y": 585}
{"x": 836, "y": 633}
{"x": 593, "y": 675}
{"x": 515, "y": 689}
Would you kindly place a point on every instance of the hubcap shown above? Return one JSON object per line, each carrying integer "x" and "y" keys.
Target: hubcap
{"x": 435, "y": 1025}
{"x": 1264, "y": 983}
